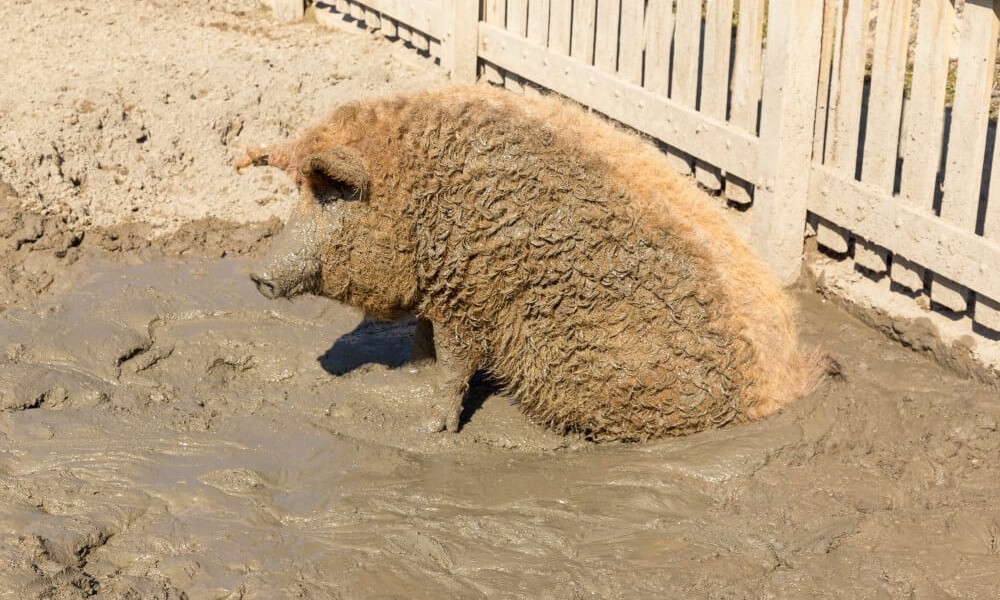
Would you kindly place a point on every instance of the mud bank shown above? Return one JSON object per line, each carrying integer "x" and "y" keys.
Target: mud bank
{"x": 166, "y": 431}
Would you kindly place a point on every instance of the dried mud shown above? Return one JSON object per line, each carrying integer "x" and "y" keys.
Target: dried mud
{"x": 165, "y": 432}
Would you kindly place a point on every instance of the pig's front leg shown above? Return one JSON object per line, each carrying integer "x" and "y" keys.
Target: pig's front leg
{"x": 457, "y": 362}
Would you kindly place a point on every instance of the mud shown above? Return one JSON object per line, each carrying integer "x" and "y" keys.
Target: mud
{"x": 165, "y": 432}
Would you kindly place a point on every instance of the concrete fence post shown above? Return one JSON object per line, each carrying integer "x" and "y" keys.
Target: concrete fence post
{"x": 788, "y": 110}
{"x": 463, "y": 54}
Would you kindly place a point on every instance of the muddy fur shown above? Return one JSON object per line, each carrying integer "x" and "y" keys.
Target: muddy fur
{"x": 548, "y": 247}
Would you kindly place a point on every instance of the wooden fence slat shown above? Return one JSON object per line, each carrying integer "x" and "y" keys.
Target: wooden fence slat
{"x": 357, "y": 11}
{"x": 513, "y": 82}
{"x": 420, "y": 41}
{"x": 871, "y": 256}
{"x": 517, "y": 17}
{"x": 846, "y": 90}
{"x": 582, "y": 44}
{"x": 847, "y": 85}
{"x": 495, "y": 12}
{"x": 949, "y": 294}
{"x": 538, "y": 22}
{"x": 970, "y": 115}
{"x": 832, "y": 237}
{"x": 967, "y": 138}
{"x": 987, "y": 313}
{"x": 687, "y": 42}
{"x": 659, "y": 31}
{"x": 389, "y": 27}
{"x": 560, "y": 21}
{"x": 987, "y": 310}
{"x": 746, "y": 81}
{"x": 684, "y": 70}
{"x": 991, "y": 228}
{"x": 828, "y": 235}
{"x": 606, "y": 38}
{"x": 631, "y": 41}
{"x": 886, "y": 94}
{"x": 823, "y": 84}
{"x": 747, "y": 65}
{"x": 715, "y": 75}
{"x": 718, "y": 50}
{"x": 924, "y": 120}
{"x": 885, "y": 103}
{"x": 906, "y": 273}
{"x": 372, "y": 19}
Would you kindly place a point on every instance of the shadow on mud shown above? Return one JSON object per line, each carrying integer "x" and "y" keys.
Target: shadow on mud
{"x": 481, "y": 387}
{"x": 371, "y": 342}
{"x": 390, "y": 345}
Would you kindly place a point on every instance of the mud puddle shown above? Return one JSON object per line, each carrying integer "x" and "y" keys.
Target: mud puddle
{"x": 165, "y": 431}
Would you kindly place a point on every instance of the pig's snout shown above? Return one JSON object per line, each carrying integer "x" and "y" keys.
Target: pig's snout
{"x": 265, "y": 285}
{"x": 292, "y": 266}
{"x": 287, "y": 275}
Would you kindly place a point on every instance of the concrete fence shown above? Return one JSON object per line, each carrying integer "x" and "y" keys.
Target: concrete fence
{"x": 869, "y": 123}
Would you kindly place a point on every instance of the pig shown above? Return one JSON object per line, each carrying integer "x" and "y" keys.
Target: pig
{"x": 545, "y": 246}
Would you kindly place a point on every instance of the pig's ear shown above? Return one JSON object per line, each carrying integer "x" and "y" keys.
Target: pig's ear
{"x": 335, "y": 174}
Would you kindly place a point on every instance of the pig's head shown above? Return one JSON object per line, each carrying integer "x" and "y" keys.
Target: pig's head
{"x": 342, "y": 241}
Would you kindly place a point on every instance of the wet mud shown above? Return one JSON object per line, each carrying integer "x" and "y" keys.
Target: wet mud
{"x": 167, "y": 431}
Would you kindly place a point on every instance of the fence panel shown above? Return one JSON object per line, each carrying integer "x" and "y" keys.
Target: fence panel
{"x": 938, "y": 234}
{"x": 780, "y": 105}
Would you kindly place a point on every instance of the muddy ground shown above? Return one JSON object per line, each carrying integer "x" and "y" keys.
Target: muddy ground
{"x": 165, "y": 432}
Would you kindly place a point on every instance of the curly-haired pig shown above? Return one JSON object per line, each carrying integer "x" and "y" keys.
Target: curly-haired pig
{"x": 547, "y": 247}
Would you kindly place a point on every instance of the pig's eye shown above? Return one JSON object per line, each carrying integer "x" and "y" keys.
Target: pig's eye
{"x": 326, "y": 189}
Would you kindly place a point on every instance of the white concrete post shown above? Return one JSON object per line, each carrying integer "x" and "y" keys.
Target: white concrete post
{"x": 791, "y": 70}
{"x": 463, "y": 53}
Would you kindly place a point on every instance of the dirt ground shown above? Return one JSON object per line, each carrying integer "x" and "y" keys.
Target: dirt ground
{"x": 166, "y": 432}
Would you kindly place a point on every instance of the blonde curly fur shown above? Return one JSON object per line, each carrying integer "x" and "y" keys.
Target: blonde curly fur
{"x": 558, "y": 252}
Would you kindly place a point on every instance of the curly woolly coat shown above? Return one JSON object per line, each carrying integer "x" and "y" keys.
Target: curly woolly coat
{"x": 549, "y": 247}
